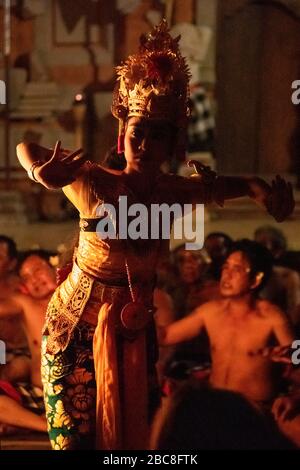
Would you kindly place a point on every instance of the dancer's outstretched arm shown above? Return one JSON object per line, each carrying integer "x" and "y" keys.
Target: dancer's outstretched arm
{"x": 276, "y": 198}
{"x": 52, "y": 168}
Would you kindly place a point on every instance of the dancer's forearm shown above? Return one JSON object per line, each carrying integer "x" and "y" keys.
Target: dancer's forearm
{"x": 28, "y": 153}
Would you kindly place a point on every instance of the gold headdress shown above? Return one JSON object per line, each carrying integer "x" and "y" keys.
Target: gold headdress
{"x": 154, "y": 82}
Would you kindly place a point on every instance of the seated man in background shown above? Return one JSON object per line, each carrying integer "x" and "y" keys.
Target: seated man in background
{"x": 239, "y": 326}
{"x": 283, "y": 288}
{"x": 275, "y": 240}
{"x": 242, "y": 330}
{"x": 23, "y": 406}
{"x": 11, "y": 330}
{"x": 191, "y": 289}
{"x": 217, "y": 245}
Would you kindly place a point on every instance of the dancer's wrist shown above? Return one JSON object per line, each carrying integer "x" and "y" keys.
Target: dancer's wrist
{"x": 32, "y": 172}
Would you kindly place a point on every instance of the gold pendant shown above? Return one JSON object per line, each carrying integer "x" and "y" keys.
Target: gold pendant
{"x": 135, "y": 316}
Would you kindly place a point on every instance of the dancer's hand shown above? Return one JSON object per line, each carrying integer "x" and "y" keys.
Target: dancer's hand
{"x": 278, "y": 198}
{"x": 61, "y": 169}
{"x": 280, "y": 202}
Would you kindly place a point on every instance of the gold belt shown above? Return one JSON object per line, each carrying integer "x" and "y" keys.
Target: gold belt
{"x": 102, "y": 293}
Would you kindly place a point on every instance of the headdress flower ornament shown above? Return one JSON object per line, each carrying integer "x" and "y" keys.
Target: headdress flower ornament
{"x": 154, "y": 83}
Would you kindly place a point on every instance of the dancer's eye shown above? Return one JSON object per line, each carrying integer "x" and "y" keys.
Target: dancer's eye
{"x": 137, "y": 132}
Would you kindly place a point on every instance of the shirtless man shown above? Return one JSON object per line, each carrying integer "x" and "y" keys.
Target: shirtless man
{"x": 37, "y": 286}
{"x": 11, "y": 331}
{"x": 8, "y": 261}
{"x": 239, "y": 326}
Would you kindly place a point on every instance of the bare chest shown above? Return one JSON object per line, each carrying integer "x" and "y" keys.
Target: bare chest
{"x": 243, "y": 335}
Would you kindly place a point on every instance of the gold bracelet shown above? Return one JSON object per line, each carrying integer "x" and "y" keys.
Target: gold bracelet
{"x": 30, "y": 172}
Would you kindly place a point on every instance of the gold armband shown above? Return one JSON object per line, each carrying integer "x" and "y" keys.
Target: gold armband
{"x": 30, "y": 172}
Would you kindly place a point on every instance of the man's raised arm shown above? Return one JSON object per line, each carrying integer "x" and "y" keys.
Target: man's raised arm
{"x": 184, "y": 329}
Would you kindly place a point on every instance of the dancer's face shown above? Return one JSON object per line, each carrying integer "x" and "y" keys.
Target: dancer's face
{"x": 148, "y": 143}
